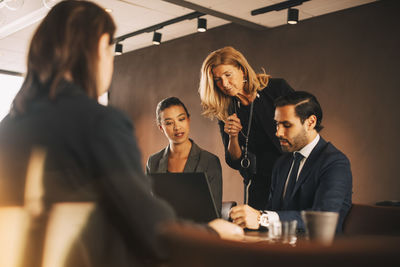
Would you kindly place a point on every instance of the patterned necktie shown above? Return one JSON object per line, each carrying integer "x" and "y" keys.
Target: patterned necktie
{"x": 293, "y": 176}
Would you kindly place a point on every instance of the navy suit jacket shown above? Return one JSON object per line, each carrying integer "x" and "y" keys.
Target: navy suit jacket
{"x": 324, "y": 184}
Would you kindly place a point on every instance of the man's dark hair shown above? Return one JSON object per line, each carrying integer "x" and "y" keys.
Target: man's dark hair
{"x": 168, "y": 102}
{"x": 306, "y": 105}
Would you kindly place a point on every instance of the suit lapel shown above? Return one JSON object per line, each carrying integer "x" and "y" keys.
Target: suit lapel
{"x": 193, "y": 158}
{"x": 163, "y": 165}
{"x": 310, "y": 163}
{"x": 281, "y": 180}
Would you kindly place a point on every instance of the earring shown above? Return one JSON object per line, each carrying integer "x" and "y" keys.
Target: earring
{"x": 245, "y": 81}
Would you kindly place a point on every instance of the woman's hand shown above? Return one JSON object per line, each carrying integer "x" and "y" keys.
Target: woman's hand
{"x": 227, "y": 230}
{"x": 232, "y": 126}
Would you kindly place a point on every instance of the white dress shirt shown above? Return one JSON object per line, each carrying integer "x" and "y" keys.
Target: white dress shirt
{"x": 305, "y": 151}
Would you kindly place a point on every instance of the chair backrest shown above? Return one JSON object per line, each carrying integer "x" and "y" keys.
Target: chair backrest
{"x": 18, "y": 223}
{"x": 32, "y": 236}
{"x": 66, "y": 222}
{"x": 365, "y": 219}
{"x": 14, "y": 225}
{"x": 390, "y": 203}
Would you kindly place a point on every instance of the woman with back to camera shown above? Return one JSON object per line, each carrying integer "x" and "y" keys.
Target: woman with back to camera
{"x": 242, "y": 101}
{"x": 183, "y": 154}
{"x": 91, "y": 152}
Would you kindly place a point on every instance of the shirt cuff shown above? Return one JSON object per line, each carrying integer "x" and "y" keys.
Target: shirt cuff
{"x": 272, "y": 216}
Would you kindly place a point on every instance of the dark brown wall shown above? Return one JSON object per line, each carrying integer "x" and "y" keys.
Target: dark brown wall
{"x": 350, "y": 60}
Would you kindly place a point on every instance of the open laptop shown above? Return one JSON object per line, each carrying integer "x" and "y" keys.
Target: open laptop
{"x": 188, "y": 193}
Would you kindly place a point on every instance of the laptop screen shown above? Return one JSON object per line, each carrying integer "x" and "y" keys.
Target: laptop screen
{"x": 188, "y": 193}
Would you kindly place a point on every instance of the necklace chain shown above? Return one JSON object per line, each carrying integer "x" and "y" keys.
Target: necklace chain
{"x": 241, "y": 131}
{"x": 250, "y": 118}
{"x": 245, "y": 162}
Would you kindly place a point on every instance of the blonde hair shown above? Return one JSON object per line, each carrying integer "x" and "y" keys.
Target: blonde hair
{"x": 214, "y": 102}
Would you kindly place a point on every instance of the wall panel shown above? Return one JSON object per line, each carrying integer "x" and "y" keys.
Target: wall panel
{"x": 349, "y": 59}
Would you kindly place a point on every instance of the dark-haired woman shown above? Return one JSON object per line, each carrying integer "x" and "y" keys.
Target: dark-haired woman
{"x": 91, "y": 155}
{"x": 182, "y": 154}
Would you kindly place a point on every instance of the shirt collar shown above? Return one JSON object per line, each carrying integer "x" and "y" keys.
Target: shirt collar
{"x": 306, "y": 151}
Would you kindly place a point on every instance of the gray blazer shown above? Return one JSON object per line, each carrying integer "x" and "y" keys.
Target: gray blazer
{"x": 199, "y": 160}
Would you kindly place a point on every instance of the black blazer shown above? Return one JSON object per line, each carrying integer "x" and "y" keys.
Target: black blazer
{"x": 324, "y": 184}
{"x": 264, "y": 146}
{"x": 91, "y": 156}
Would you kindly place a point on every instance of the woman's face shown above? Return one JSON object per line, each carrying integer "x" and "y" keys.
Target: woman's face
{"x": 175, "y": 124}
{"x": 229, "y": 79}
{"x": 105, "y": 64}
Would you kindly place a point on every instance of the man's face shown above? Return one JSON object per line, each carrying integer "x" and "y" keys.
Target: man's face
{"x": 292, "y": 134}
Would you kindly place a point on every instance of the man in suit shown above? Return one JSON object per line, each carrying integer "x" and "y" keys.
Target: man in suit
{"x": 314, "y": 175}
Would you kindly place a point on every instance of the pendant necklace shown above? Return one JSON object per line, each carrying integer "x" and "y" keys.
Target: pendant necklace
{"x": 245, "y": 162}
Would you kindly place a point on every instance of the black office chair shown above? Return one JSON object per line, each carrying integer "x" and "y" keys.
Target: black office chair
{"x": 365, "y": 219}
{"x": 388, "y": 203}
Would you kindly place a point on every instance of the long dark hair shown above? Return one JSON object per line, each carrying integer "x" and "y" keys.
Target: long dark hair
{"x": 65, "y": 43}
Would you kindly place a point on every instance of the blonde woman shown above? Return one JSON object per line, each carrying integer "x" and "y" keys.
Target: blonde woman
{"x": 242, "y": 101}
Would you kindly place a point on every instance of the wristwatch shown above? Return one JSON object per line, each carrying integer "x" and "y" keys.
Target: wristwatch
{"x": 264, "y": 222}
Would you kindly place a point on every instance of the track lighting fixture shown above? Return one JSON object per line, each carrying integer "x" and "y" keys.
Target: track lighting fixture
{"x": 278, "y": 6}
{"x": 201, "y": 25}
{"x": 292, "y": 16}
{"x": 157, "y": 38}
{"x": 118, "y": 49}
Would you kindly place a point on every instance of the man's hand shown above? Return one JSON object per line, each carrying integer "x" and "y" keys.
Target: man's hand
{"x": 227, "y": 230}
{"x": 245, "y": 216}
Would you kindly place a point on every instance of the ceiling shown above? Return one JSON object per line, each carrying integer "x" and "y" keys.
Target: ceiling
{"x": 17, "y": 27}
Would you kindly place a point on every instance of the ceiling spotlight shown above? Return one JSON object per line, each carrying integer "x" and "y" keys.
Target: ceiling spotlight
{"x": 292, "y": 16}
{"x": 13, "y": 4}
{"x": 201, "y": 25}
{"x": 118, "y": 49}
{"x": 49, "y": 3}
{"x": 157, "y": 38}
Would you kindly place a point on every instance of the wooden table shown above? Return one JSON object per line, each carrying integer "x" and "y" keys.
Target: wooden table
{"x": 193, "y": 247}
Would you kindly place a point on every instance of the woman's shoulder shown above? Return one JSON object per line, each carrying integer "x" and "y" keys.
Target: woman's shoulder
{"x": 277, "y": 83}
{"x": 105, "y": 123}
{"x": 205, "y": 153}
{"x": 110, "y": 111}
{"x": 276, "y": 87}
{"x": 157, "y": 155}
{"x": 72, "y": 98}
{"x": 108, "y": 116}
{"x": 153, "y": 162}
